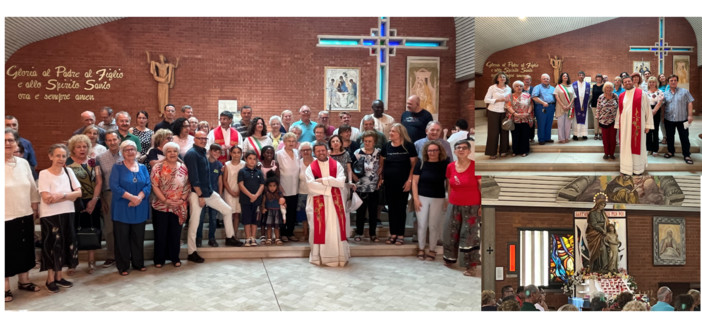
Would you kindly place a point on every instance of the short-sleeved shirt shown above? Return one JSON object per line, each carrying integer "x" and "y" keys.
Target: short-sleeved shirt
{"x": 676, "y": 104}
{"x": 144, "y": 139}
{"x": 464, "y": 189}
{"x": 307, "y": 131}
{"x": 253, "y": 179}
{"x": 106, "y": 161}
{"x": 215, "y": 174}
{"x": 416, "y": 123}
{"x": 432, "y": 176}
{"x": 371, "y": 163}
{"x": 544, "y": 93}
{"x": 53, "y": 184}
{"x": 397, "y": 162}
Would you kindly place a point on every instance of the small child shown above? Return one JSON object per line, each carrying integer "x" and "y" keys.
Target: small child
{"x": 216, "y": 183}
{"x": 231, "y": 184}
{"x": 273, "y": 208}
{"x": 250, "y": 181}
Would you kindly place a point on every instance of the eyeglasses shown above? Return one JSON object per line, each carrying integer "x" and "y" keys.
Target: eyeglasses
{"x": 461, "y": 148}
{"x": 305, "y": 150}
{"x": 10, "y": 141}
{"x": 129, "y": 150}
{"x": 201, "y": 139}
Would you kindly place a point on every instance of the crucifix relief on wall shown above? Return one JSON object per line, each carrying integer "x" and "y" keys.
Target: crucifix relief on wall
{"x": 661, "y": 47}
{"x": 383, "y": 43}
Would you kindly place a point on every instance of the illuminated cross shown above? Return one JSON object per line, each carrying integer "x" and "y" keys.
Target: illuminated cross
{"x": 382, "y": 42}
{"x": 661, "y": 48}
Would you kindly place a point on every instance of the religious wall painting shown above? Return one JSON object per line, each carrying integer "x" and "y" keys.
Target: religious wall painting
{"x": 561, "y": 257}
{"x": 622, "y": 189}
{"x": 231, "y": 106}
{"x": 669, "y": 241}
{"x": 681, "y": 67}
{"x": 341, "y": 89}
{"x": 641, "y": 67}
{"x": 582, "y": 253}
{"x": 423, "y": 81}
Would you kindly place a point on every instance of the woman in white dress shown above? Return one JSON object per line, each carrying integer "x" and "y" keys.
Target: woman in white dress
{"x": 230, "y": 173}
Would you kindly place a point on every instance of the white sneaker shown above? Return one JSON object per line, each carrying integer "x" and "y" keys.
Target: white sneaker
{"x": 248, "y": 242}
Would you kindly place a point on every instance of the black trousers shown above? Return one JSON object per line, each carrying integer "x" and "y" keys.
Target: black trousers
{"x": 129, "y": 245}
{"x": 670, "y": 128}
{"x": 370, "y": 206}
{"x": 166, "y": 237}
{"x": 652, "y": 135}
{"x": 495, "y": 134}
{"x": 397, "y": 207}
{"x": 520, "y": 138}
{"x": 290, "y": 216}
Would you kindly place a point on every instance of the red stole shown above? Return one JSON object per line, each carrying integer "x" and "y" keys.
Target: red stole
{"x": 635, "y": 121}
{"x": 319, "y": 207}
{"x": 219, "y": 139}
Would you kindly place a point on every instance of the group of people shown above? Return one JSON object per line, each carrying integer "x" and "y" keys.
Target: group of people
{"x": 630, "y": 107}
{"x": 263, "y": 174}
{"x": 532, "y": 298}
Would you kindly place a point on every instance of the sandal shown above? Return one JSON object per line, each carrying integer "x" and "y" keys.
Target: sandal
{"x": 71, "y": 271}
{"x": 30, "y": 287}
{"x": 158, "y": 266}
{"x": 431, "y": 256}
{"x": 269, "y": 241}
{"x": 177, "y": 264}
{"x": 400, "y": 241}
{"x": 374, "y": 239}
{"x": 493, "y": 157}
{"x": 390, "y": 240}
{"x": 142, "y": 269}
{"x": 688, "y": 160}
{"x": 420, "y": 255}
{"x": 278, "y": 242}
{"x": 8, "y": 296}
{"x": 125, "y": 273}
{"x": 357, "y": 239}
{"x": 668, "y": 155}
{"x": 91, "y": 267}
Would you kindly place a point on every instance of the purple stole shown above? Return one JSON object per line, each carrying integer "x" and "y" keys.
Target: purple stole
{"x": 319, "y": 206}
{"x": 581, "y": 110}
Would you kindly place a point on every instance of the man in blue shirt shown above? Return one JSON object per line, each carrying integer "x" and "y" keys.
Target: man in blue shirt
{"x": 29, "y": 155}
{"x": 544, "y": 108}
{"x": 665, "y": 297}
{"x": 306, "y": 125}
{"x": 203, "y": 194}
{"x": 678, "y": 112}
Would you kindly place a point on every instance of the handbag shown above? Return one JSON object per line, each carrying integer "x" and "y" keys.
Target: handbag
{"x": 356, "y": 202}
{"x": 78, "y": 203}
{"x": 359, "y": 167}
{"x": 88, "y": 238}
{"x": 508, "y": 123}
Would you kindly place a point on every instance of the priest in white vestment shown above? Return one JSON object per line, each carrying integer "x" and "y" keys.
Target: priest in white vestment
{"x": 325, "y": 210}
{"x": 634, "y": 119}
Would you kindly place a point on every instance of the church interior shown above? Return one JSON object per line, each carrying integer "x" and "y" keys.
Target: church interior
{"x": 534, "y": 209}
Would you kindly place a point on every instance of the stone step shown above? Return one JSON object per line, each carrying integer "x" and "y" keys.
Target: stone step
{"x": 587, "y": 146}
{"x": 578, "y": 162}
{"x": 364, "y": 248}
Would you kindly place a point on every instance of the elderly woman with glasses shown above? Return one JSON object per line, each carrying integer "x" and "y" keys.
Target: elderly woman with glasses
{"x": 131, "y": 185}
{"x": 520, "y": 108}
{"x": 462, "y": 236}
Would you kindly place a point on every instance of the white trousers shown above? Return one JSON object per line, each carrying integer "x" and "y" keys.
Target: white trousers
{"x": 429, "y": 217}
{"x": 214, "y": 201}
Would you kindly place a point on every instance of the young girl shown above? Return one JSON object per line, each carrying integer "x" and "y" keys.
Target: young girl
{"x": 250, "y": 181}
{"x": 231, "y": 184}
{"x": 273, "y": 202}
{"x": 267, "y": 164}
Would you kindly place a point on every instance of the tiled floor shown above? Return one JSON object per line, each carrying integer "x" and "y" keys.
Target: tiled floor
{"x": 277, "y": 284}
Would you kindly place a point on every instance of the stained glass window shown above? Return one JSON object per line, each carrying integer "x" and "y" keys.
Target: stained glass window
{"x": 561, "y": 259}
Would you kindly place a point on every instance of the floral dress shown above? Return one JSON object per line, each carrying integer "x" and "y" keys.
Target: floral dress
{"x": 144, "y": 139}
{"x": 521, "y": 105}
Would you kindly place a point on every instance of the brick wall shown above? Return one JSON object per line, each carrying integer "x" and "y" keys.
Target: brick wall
{"x": 271, "y": 64}
{"x": 639, "y": 237}
{"x": 600, "y": 48}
